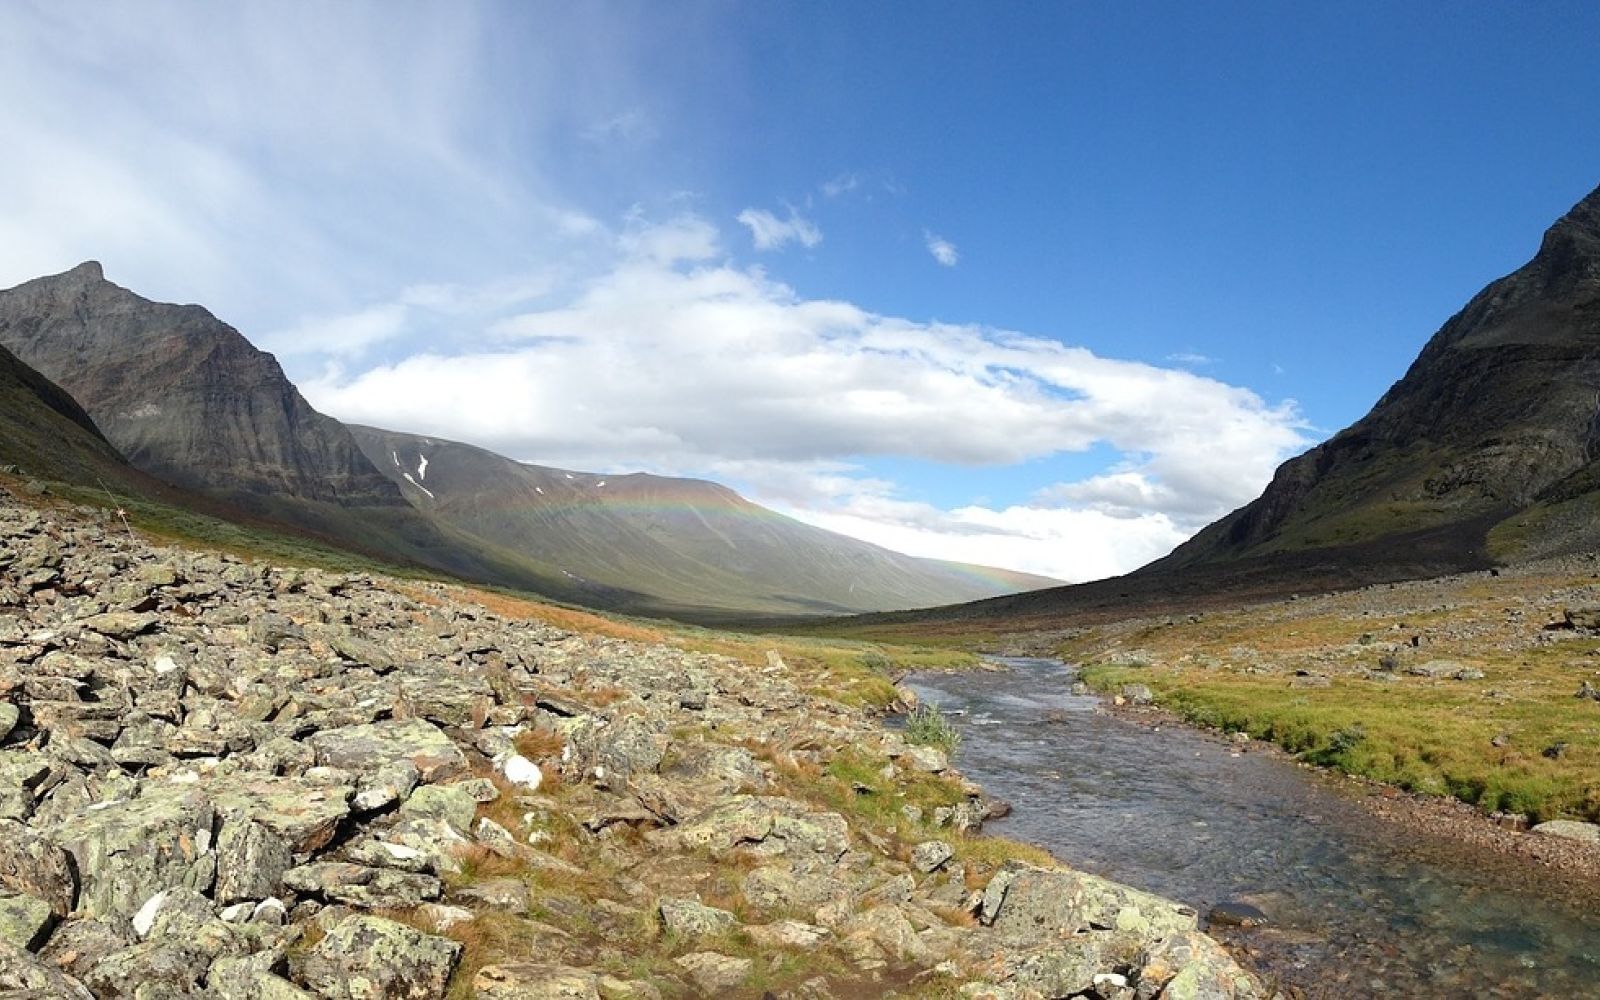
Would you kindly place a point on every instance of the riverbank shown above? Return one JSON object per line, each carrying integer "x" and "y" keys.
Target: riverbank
{"x": 1355, "y": 904}
{"x": 1442, "y": 819}
{"x": 230, "y": 780}
{"x": 1476, "y": 687}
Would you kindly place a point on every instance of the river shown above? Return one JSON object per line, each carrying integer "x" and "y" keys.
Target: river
{"x": 1360, "y": 907}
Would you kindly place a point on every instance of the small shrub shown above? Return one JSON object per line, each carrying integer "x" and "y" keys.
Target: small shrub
{"x": 876, "y": 660}
{"x": 927, "y": 726}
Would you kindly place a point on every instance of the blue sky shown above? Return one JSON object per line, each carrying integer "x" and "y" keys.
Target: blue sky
{"x": 1042, "y": 285}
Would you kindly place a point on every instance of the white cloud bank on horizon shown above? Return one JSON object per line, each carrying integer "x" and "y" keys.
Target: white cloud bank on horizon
{"x": 674, "y": 360}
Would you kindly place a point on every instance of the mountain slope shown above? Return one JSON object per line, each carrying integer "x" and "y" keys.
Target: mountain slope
{"x": 1491, "y": 435}
{"x": 45, "y": 432}
{"x": 186, "y": 399}
{"x": 685, "y": 542}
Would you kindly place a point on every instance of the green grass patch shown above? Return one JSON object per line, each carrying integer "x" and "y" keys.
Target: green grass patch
{"x": 927, "y": 726}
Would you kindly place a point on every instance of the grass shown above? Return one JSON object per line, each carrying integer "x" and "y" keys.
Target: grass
{"x": 1482, "y": 741}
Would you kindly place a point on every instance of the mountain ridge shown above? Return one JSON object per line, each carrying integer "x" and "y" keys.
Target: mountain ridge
{"x": 665, "y": 535}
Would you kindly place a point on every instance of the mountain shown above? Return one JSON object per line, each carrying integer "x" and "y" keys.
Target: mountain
{"x": 187, "y": 400}
{"x": 683, "y": 542}
{"x": 1486, "y": 450}
{"x": 184, "y": 396}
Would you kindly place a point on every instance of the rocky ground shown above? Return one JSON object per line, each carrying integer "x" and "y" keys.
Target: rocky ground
{"x": 229, "y": 780}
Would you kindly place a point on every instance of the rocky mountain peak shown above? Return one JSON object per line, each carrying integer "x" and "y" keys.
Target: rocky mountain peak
{"x": 89, "y": 270}
{"x": 183, "y": 395}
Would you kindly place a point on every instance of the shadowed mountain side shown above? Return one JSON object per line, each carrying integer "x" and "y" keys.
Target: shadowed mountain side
{"x": 687, "y": 543}
{"x": 1499, "y": 414}
{"x": 46, "y": 433}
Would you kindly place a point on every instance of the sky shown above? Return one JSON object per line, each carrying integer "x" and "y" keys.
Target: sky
{"x": 1047, "y": 286}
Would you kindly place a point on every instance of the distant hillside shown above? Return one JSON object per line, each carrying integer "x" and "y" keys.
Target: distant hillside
{"x": 685, "y": 543}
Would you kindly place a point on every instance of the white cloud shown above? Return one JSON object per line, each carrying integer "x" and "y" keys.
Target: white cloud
{"x": 772, "y": 233}
{"x": 288, "y": 165}
{"x": 842, "y": 184}
{"x": 675, "y": 362}
{"x": 942, "y": 249}
{"x": 632, "y": 127}
{"x": 1191, "y": 359}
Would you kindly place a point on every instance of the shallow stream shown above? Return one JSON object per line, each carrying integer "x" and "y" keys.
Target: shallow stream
{"x": 1359, "y": 906}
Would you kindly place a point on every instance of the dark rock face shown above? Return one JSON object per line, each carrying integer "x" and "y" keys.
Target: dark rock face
{"x": 182, "y": 395}
{"x": 1499, "y": 413}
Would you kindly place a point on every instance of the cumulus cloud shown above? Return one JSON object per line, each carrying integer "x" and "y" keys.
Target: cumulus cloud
{"x": 677, "y": 360}
{"x": 772, "y": 233}
{"x": 942, "y": 249}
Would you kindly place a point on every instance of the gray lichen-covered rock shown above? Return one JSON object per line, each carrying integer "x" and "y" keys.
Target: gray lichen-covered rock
{"x": 1026, "y": 906}
{"x": 451, "y": 803}
{"x": 251, "y": 978}
{"x": 358, "y": 885}
{"x": 25, "y": 921}
{"x": 26, "y": 978}
{"x": 931, "y": 855}
{"x": 367, "y": 748}
{"x": 692, "y": 919}
{"x": 715, "y": 973}
{"x": 765, "y": 824}
{"x": 370, "y": 958}
{"x": 34, "y": 865}
{"x": 251, "y": 860}
{"x": 127, "y": 851}
{"x": 1191, "y": 966}
{"x": 533, "y": 981}
{"x": 304, "y": 813}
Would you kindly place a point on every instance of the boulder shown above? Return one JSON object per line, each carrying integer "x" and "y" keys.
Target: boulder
{"x": 370, "y": 958}
{"x": 34, "y": 865}
{"x": 251, "y": 860}
{"x": 25, "y": 921}
{"x": 1028, "y": 906}
{"x": 691, "y": 919}
{"x": 1189, "y": 965}
{"x": 359, "y": 885}
{"x": 26, "y": 978}
{"x": 714, "y": 973}
{"x": 931, "y": 855}
{"x": 304, "y": 812}
{"x": 367, "y": 748}
{"x": 533, "y": 981}
{"x": 127, "y": 851}
{"x": 1569, "y": 829}
{"x": 450, "y": 803}
{"x": 765, "y": 824}
{"x": 790, "y": 935}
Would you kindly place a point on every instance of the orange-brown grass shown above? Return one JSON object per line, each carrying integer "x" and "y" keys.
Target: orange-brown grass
{"x": 539, "y": 745}
{"x": 522, "y": 608}
{"x": 606, "y": 695}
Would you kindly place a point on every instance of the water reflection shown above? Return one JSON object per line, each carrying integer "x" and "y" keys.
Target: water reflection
{"x": 1360, "y": 907}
